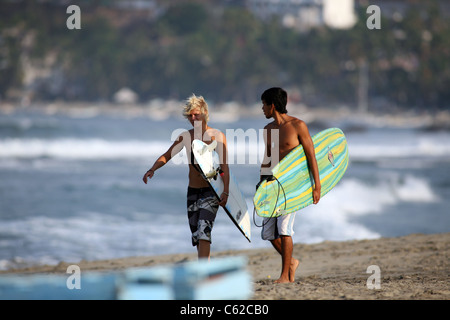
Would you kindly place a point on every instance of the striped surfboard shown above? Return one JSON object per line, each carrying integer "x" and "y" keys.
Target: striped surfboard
{"x": 292, "y": 188}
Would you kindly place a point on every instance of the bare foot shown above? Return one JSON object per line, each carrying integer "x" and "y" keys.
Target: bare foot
{"x": 282, "y": 280}
{"x": 293, "y": 268}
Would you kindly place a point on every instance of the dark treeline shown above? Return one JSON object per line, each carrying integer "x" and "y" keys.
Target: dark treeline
{"x": 225, "y": 53}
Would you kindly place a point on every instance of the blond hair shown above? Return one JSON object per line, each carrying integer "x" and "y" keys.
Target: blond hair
{"x": 194, "y": 102}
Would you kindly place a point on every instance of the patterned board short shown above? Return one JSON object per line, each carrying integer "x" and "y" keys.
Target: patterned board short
{"x": 202, "y": 206}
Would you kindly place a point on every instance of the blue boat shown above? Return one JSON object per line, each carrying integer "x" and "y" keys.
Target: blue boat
{"x": 221, "y": 278}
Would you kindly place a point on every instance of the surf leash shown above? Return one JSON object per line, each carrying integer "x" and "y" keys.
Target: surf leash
{"x": 269, "y": 178}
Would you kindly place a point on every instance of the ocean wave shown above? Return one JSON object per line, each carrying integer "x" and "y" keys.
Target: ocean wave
{"x": 90, "y": 236}
{"x": 423, "y": 149}
{"x": 71, "y": 148}
{"x": 333, "y": 217}
{"x": 400, "y": 144}
{"x": 239, "y": 151}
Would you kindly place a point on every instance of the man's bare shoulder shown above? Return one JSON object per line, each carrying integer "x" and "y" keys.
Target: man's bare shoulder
{"x": 302, "y": 130}
{"x": 295, "y": 121}
{"x": 298, "y": 124}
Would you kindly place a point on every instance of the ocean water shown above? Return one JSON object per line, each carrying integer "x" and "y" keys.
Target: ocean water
{"x": 71, "y": 187}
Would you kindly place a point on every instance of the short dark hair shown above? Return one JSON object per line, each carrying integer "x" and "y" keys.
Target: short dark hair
{"x": 277, "y": 96}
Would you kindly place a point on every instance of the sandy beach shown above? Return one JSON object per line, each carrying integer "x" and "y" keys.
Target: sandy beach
{"x": 411, "y": 267}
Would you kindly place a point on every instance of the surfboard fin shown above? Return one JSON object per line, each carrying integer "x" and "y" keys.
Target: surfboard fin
{"x": 208, "y": 147}
{"x": 211, "y": 174}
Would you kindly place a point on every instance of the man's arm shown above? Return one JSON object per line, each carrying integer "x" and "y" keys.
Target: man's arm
{"x": 308, "y": 147}
{"x": 223, "y": 158}
{"x": 174, "y": 149}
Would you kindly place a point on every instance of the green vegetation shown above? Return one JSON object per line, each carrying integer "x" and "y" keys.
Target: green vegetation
{"x": 224, "y": 53}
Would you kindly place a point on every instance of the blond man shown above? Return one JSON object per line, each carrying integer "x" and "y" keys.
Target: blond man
{"x": 202, "y": 204}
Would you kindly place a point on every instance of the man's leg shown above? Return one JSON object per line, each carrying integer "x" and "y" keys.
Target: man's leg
{"x": 284, "y": 246}
{"x": 208, "y": 210}
{"x": 272, "y": 228}
{"x": 203, "y": 249}
{"x": 204, "y": 238}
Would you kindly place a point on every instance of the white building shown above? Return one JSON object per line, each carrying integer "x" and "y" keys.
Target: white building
{"x": 306, "y": 14}
{"x": 125, "y": 96}
{"x": 339, "y": 14}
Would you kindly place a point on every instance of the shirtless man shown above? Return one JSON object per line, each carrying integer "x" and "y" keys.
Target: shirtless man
{"x": 201, "y": 201}
{"x": 290, "y": 132}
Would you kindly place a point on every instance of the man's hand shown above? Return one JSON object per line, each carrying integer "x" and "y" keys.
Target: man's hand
{"x": 148, "y": 175}
{"x": 316, "y": 195}
{"x": 223, "y": 199}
